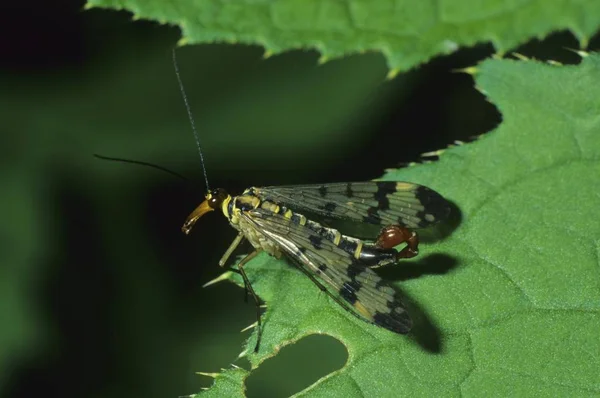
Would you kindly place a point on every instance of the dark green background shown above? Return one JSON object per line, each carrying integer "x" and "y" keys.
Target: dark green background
{"x": 100, "y": 292}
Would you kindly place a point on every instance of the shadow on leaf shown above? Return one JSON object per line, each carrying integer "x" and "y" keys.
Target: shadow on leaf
{"x": 424, "y": 332}
{"x": 433, "y": 264}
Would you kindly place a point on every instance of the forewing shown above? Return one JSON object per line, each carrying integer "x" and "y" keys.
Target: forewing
{"x": 369, "y": 296}
{"x": 374, "y": 202}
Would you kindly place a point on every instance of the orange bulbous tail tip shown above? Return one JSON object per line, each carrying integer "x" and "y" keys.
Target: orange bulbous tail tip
{"x": 394, "y": 235}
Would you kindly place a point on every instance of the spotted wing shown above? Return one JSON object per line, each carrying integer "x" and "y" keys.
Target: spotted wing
{"x": 374, "y": 202}
{"x": 346, "y": 277}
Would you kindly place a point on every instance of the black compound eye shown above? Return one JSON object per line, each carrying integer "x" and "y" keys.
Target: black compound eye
{"x": 217, "y": 196}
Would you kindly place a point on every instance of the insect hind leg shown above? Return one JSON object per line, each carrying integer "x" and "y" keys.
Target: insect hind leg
{"x": 394, "y": 235}
{"x": 248, "y": 288}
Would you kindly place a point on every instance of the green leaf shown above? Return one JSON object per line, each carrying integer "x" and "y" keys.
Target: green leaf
{"x": 518, "y": 312}
{"x": 229, "y": 383}
{"x": 405, "y": 31}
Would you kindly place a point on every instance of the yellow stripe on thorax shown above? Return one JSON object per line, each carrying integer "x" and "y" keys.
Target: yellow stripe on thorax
{"x": 225, "y": 206}
{"x": 238, "y": 202}
{"x": 272, "y": 207}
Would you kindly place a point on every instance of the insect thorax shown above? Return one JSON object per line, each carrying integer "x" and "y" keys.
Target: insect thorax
{"x": 234, "y": 206}
{"x": 246, "y": 203}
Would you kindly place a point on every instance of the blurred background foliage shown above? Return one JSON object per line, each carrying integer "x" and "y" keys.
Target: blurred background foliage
{"x": 100, "y": 292}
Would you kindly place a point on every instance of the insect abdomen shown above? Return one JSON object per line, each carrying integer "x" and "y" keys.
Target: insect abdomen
{"x": 371, "y": 255}
{"x": 368, "y": 254}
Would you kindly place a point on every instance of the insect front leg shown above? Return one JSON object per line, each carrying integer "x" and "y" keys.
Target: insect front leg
{"x": 236, "y": 242}
{"x": 394, "y": 235}
{"x": 248, "y": 288}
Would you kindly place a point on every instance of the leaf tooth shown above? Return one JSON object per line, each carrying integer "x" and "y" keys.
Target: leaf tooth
{"x": 392, "y": 73}
{"x": 431, "y": 154}
{"x": 268, "y": 53}
{"x": 582, "y": 38}
{"x": 209, "y": 374}
{"x": 581, "y": 53}
{"x": 469, "y": 70}
{"x": 183, "y": 41}
{"x": 252, "y": 325}
{"x": 223, "y": 277}
{"x": 323, "y": 59}
{"x": 520, "y": 56}
{"x": 242, "y": 354}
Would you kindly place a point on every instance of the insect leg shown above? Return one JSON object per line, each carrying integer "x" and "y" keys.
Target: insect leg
{"x": 393, "y": 235}
{"x": 236, "y": 242}
{"x": 248, "y": 288}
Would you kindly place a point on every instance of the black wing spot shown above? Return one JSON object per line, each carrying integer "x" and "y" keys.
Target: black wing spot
{"x": 322, "y": 267}
{"x": 355, "y": 285}
{"x": 348, "y": 291}
{"x": 348, "y": 295}
{"x": 399, "y": 323}
{"x": 296, "y": 218}
{"x": 315, "y": 241}
{"x": 323, "y": 191}
{"x": 423, "y": 222}
{"x": 281, "y": 210}
{"x": 383, "y": 203}
{"x": 386, "y": 187}
{"x": 373, "y": 217}
{"x": 380, "y": 284}
{"x": 352, "y": 272}
{"x": 330, "y": 207}
{"x": 349, "y": 192}
{"x": 347, "y": 245}
{"x": 435, "y": 205}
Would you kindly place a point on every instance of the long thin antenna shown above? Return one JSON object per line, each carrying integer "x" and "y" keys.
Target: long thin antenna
{"x": 189, "y": 111}
{"x": 155, "y": 166}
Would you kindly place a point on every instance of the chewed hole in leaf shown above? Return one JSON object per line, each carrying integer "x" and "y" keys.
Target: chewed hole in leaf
{"x": 296, "y": 367}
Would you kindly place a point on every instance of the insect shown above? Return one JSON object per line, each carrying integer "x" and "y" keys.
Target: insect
{"x": 276, "y": 220}
{"x": 339, "y": 265}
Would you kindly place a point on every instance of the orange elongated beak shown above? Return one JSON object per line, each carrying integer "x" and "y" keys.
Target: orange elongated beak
{"x": 194, "y": 216}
